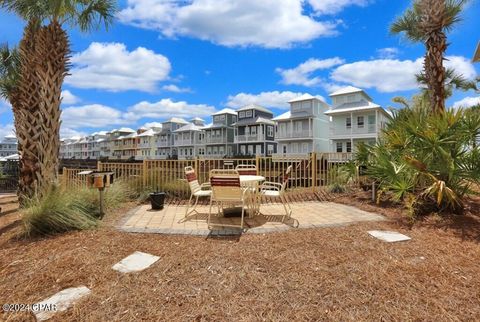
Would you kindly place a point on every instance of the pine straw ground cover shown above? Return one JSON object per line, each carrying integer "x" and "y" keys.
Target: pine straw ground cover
{"x": 337, "y": 274}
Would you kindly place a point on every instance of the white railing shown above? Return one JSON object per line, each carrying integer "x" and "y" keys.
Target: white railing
{"x": 294, "y": 134}
{"x": 215, "y": 140}
{"x": 184, "y": 142}
{"x": 250, "y": 138}
{"x": 163, "y": 144}
{"x": 367, "y": 129}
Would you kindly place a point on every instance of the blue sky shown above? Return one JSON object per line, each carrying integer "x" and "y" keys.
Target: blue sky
{"x": 164, "y": 58}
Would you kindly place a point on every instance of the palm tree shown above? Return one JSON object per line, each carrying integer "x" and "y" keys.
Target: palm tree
{"x": 428, "y": 21}
{"x": 44, "y": 62}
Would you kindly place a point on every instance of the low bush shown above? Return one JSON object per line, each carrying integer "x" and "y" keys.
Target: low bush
{"x": 428, "y": 161}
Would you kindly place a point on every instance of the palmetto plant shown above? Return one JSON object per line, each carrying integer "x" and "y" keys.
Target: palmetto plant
{"x": 43, "y": 64}
{"x": 427, "y": 22}
{"x": 427, "y": 157}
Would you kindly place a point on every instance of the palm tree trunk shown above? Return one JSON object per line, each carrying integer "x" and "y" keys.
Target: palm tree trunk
{"x": 27, "y": 114}
{"x": 53, "y": 47}
{"x": 44, "y": 55}
{"x": 436, "y": 45}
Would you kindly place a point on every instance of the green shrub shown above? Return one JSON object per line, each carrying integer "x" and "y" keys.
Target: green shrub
{"x": 342, "y": 176}
{"x": 429, "y": 161}
{"x": 59, "y": 211}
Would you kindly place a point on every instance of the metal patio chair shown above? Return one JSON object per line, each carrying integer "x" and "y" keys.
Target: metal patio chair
{"x": 197, "y": 190}
{"x": 275, "y": 190}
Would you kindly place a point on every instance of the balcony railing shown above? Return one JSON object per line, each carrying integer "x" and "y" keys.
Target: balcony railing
{"x": 215, "y": 140}
{"x": 250, "y": 138}
{"x": 185, "y": 142}
{"x": 294, "y": 134}
{"x": 367, "y": 129}
{"x": 163, "y": 144}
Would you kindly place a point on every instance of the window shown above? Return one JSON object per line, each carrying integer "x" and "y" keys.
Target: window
{"x": 349, "y": 146}
{"x": 248, "y": 113}
{"x": 351, "y": 98}
{"x": 253, "y": 130}
{"x": 284, "y": 149}
{"x": 270, "y": 131}
{"x": 307, "y": 105}
{"x": 360, "y": 122}
{"x": 241, "y": 115}
{"x": 339, "y": 147}
{"x": 349, "y": 122}
{"x": 296, "y": 106}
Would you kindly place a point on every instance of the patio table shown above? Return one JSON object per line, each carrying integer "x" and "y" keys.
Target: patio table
{"x": 252, "y": 182}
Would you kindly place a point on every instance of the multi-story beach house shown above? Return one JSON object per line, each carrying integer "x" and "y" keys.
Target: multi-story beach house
{"x": 164, "y": 139}
{"x": 121, "y": 143}
{"x": 8, "y": 146}
{"x": 355, "y": 118}
{"x": 303, "y": 129}
{"x": 146, "y": 148}
{"x": 219, "y": 135}
{"x": 255, "y": 131}
{"x": 189, "y": 139}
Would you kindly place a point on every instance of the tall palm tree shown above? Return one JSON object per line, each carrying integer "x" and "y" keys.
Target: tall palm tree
{"x": 428, "y": 21}
{"x": 44, "y": 62}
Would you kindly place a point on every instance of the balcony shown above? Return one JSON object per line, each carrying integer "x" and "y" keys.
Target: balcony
{"x": 369, "y": 130}
{"x": 144, "y": 145}
{"x": 294, "y": 134}
{"x": 215, "y": 140}
{"x": 163, "y": 144}
{"x": 249, "y": 138}
{"x": 184, "y": 142}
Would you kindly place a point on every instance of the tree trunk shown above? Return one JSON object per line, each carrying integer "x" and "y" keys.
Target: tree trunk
{"x": 44, "y": 55}
{"x": 432, "y": 22}
{"x": 27, "y": 114}
{"x": 53, "y": 47}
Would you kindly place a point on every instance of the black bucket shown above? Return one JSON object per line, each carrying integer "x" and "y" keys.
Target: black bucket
{"x": 157, "y": 200}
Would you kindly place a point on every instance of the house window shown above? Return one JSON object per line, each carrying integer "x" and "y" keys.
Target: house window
{"x": 296, "y": 106}
{"x": 270, "y": 131}
{"x": 349, "y": 146}
{"x": 248, "y": 113}
{"x": 350, "y": 98}
{"x": 360, "y": 122}
{"x": 349, "y": 122}
{"x": 253, "y": 130}
{"x": 339, "y": 147}
{"x": 241, "y": 115}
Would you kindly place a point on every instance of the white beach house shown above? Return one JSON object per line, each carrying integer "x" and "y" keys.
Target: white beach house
{"x": 354, "y": 118}
{"x": 303, "y": 129}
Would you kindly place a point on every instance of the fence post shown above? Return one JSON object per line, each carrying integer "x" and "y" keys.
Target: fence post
{"x": 99, "y": 165}
{"x": 144, "y": 173}
{"x": 196, "y": 165}
{"x": 314, "y": 170}
{"x": 64, "y": 177}
{"x": 257, "y": 163}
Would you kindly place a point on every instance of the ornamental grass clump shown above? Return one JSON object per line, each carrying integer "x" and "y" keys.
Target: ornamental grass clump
{"x": 56, "y": 212}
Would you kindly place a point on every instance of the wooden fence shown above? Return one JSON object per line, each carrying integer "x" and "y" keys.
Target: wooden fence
{"x": 308, "y": 171}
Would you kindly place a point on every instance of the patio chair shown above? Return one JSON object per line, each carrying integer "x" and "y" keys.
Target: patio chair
{"x": 226, "y": 189}
{"x": 246, "y": 169}
{"x": 197, "y": 190}
{"x": 275, "y": 190}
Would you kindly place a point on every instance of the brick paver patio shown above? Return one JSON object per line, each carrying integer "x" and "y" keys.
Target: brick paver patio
{"x": 171, "y": 219}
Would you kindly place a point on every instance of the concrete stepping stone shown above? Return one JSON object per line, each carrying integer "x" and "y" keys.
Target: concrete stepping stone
{"x": 135, "y": 262}
{"x": 388, "y": 236}
{"x": 59, "y": 302}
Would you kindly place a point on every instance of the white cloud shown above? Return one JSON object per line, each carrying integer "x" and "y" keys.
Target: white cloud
{"x": 175, "y": 89}
{"x": 388, "y": 53}
{"x": 391, "y": 75}
{"x": 111, "y": 67}
{"x": 91, "y": 116}
{"x": 467, "y": 102}
{"x": 167, "y": 108}
{"x": 265, "y": 23}
{"x": 68, "y": 98}
{"x": 6, "y": 129}
{"x": 66, "y": 132}
{"x": 268, "y": 99}
{"x": 302, "y": 74}
{"x": 335, "y": 6}
{"x": 152, "y": 124}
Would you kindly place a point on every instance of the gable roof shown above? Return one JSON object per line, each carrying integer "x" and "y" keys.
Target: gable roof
{"x": 176, "y": 120}
{"x": 346, "y": 90}
{"x": 189, "y": 127}
{"x": 225, "y": 111}
{"x": 303, "y": 97}
{"x": 254, "y": 107}
{"x": 284, "y": 116}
